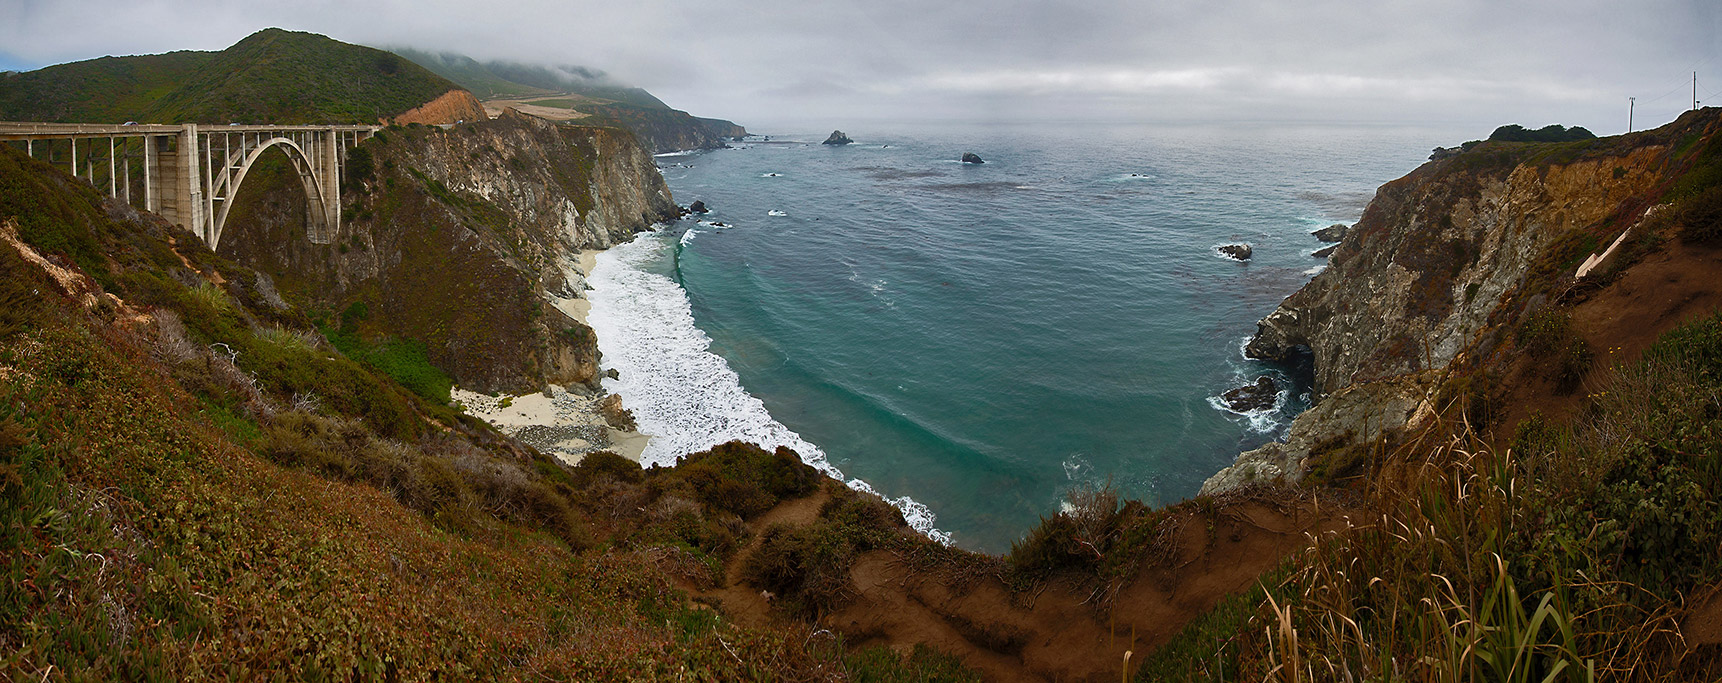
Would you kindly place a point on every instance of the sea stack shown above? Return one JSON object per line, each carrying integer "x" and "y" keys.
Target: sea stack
{"x": 1239, "y": 252}
{"x": 1332, "y": 233}
{"x": 1259, "y": 395}
{"x": 972, "y": 158}
{"x": 837, "y": 138}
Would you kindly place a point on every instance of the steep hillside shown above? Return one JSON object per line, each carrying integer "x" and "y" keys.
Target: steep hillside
{"x": 506, "y": 203}
{"x": 272, "y": 76}
{"x": 1532, "y": 449}
{"x": 197, "y": 485}
{"x": 1447, "y": 259}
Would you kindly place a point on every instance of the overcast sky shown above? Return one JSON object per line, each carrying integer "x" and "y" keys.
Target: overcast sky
{"x": 816, "y": 64}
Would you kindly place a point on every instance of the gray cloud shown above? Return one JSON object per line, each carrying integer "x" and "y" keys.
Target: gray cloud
{"x": 810, "y": 63}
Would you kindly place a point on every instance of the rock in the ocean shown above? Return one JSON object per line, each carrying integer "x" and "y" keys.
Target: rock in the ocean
{"x": 837, "y": 138}
{"x": 1324, "y": 252}
{"x": 1239, "y": 252}
{"x": 972, "y": 158}
{"x": 698, "y": 207}
{"x": 1250, "y": 397}
{"x": 1332, "y": 233}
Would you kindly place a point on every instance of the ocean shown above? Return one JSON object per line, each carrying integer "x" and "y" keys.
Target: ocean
{"x": 975, "y": 341}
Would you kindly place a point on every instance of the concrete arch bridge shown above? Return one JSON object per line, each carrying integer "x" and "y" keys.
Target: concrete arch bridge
{"x": 189, "y": 173}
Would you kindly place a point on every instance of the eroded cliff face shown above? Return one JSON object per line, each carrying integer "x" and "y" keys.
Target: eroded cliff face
{"x": 1439, "y": 263}
{"x": 465, "y": 240}
{"x": 1435, "y": 252}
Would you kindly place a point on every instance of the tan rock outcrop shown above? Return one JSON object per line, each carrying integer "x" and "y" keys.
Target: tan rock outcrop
{"x": 454, "y": 106}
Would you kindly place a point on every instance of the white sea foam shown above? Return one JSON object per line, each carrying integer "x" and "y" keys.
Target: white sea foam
{"x": 775, "y": 212}
{"x": 682, "y": 153}
{"x": 771, "y": 175}
{"x": 683, "y": 395}
{"x": 688, "y": 237}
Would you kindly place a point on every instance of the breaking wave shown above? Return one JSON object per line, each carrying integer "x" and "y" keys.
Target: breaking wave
{"x": 685, "y": 397}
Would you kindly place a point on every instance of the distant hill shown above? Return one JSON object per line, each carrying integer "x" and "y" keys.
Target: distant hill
{"x": 273, "y": 76}
{"x": 502, "y": 79}
{"x": 581, "y": 90}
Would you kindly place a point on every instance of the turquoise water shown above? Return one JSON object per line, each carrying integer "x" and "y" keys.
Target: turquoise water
{"x": 978, "y": 339}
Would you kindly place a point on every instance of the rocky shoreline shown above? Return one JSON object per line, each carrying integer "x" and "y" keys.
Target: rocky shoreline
{"x": 565, "y": 422}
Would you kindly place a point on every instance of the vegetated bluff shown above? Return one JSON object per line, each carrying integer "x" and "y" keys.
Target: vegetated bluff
{"x": 1440, "y": 264}
{"x": 465, "y": 240}
{"x": 272, "y": 76}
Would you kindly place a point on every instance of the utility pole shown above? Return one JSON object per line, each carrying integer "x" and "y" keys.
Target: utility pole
{"x": 1694, "y": 91}
{"x": 1630, "y": 103}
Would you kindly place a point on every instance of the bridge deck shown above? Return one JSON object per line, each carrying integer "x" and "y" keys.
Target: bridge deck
{"x": 18, "y": 130}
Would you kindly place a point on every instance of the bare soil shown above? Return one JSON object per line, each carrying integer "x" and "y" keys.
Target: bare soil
{"x": 1067, "y": 628}
{"x": 1674, "y": 285}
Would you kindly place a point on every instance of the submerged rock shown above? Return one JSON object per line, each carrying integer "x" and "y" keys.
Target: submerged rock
{"x": 972, "y": 158}
{"x": 1258, "y": 396}
{"x": 1240, "y": 252}
{"x": 837, "y": 138}
{"x": 1332, "y": 233}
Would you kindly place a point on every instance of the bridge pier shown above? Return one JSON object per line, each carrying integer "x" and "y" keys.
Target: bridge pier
{"x": 178, "y": 164}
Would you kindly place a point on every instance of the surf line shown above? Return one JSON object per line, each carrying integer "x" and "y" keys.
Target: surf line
{"x": 683, "y": 395}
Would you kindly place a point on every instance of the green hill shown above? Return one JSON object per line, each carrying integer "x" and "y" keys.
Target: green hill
{"x": 272, "y": 76}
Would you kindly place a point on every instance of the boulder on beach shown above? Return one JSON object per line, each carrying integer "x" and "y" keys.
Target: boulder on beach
{"x": 698, "y": 207}
{"x": 1258, "y": 396}
{"x": 1324, "y": 252}
{"x": 972, "y": 158}
{"x": 618, "y": 417}
{"x": 1240, "y": 252}
{"x": 837, "y": 138}
{"x": 1332, "y": 233}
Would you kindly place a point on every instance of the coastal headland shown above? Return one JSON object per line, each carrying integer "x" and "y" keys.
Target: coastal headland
{"x": 224, "y": 463}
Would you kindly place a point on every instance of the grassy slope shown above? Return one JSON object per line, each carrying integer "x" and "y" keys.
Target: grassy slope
{"x": 178, "y": 514}
{"x": 272, "y": 76}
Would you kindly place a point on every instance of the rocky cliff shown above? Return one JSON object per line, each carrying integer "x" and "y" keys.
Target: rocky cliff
{"x": 465, "y": 240}
{"x": 1440, "y": 262}
{"x": 664, "y": 130}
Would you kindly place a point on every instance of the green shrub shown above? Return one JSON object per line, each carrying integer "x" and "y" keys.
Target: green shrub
{"x": 1549, "y": 133}
{"x": 1547, "y": 336}
{"x": 1700, "y": 218}
{"x": 807, "y": 568}
{"x": 21, "y": 295}
{"x": 606, "y": 464}
{"x": 880, "y": 664}
{"x": 1077, "y": 538}
{"x": 745, "y": 479}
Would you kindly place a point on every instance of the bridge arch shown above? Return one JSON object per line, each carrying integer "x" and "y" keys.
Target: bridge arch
{"x": 225, "y": 186}
{"x": 189, "y": 173}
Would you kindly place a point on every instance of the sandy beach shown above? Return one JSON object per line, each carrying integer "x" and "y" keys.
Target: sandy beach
{"x": 566, "y": 422}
